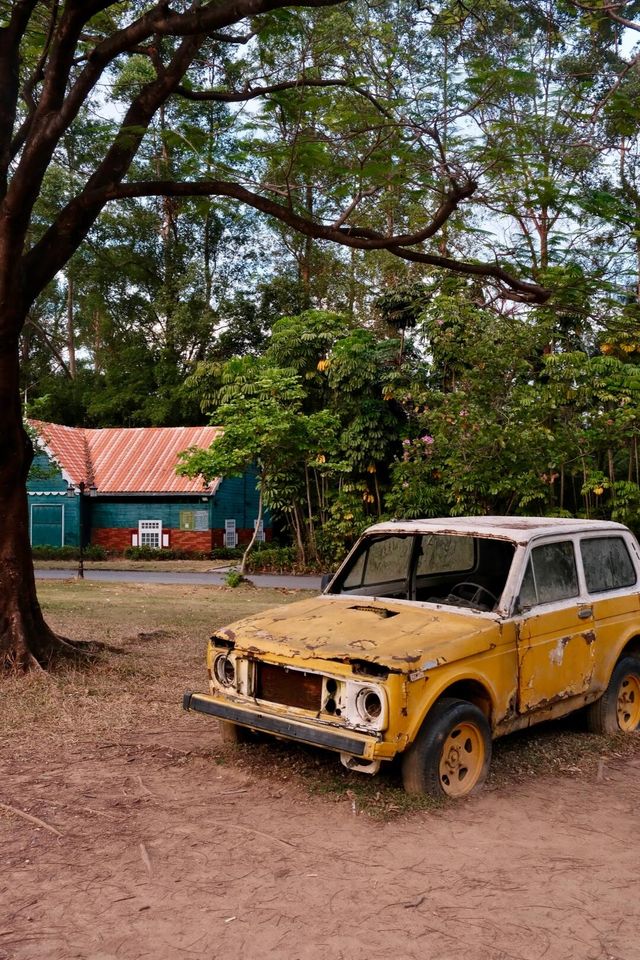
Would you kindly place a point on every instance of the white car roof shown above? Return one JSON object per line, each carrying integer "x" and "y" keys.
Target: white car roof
{"x": 520, "y": 529}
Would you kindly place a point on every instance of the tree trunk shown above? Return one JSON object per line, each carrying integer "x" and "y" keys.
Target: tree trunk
{"x": 71, "y": 334}
{"x": 245, "y": 555}
{"x": 25, "y": 638}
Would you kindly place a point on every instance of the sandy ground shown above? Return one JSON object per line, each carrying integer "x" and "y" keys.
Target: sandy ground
{"x": 163, "y": 851}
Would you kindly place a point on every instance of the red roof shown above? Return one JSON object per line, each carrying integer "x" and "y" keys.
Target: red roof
{"x": 125, "y": 459}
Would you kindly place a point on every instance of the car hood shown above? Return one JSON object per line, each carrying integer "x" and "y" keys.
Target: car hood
{"x": 399, "y": 636}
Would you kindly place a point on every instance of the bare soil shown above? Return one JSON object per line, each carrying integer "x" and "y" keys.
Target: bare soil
{"x": 151, "y": 838}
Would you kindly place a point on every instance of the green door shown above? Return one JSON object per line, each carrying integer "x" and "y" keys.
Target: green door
{"x": 47, "y": 525}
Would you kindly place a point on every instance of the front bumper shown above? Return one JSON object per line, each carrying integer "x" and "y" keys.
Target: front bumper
{"x": 343, "y": 741}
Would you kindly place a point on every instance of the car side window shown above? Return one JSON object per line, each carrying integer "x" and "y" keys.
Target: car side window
{"x": 385, "y": 560}
{"x": 440, "y": 553}
{"x": 607, "y": 564}
{"x": 551, "y": 575}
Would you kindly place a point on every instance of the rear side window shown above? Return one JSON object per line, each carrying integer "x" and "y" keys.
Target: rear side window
{"x": 550, "y": 575}
{"x": 607, "y": 564}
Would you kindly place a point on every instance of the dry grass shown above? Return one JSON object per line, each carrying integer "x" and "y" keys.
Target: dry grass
{"x": 173, "y": 566}
{"x": 161, "y": 632}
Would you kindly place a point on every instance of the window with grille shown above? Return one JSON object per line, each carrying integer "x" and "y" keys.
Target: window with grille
{"x": 230, "y": 533}
{"x": 150, "y": 533}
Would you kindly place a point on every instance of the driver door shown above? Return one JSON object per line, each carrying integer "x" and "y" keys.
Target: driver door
{"x": 555, "y": 635}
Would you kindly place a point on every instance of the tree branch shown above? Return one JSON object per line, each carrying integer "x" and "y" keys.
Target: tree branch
{"x": 58, "y": 109}
{"x": 250, "y": 93}
{"x": 10, "y": 38}
{"x": 609, "y": 10}
{"x": 76, "y": 219}
{"x": 359, "y": 238}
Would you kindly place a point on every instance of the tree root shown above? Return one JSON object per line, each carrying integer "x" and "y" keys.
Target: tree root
{"x": 56, "y": 650}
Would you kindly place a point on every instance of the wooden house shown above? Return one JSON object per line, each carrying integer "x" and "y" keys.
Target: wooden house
{"x": 117, "y": 487}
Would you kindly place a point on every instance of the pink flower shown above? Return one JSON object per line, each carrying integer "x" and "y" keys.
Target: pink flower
{"x": 427, "y": 438}
{"x": 406, "y": 443}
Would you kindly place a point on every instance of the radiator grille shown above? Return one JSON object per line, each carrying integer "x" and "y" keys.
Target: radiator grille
{"x": 293, "y": 688}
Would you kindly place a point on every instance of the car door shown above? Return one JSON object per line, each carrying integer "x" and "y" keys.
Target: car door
{"x": 611, "y": 580}
{"x": 556, "y": 640}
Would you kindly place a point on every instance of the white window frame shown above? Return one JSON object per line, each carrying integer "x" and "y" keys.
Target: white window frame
{"x": 230, "y": 533}
{"x": 148, "y": 529}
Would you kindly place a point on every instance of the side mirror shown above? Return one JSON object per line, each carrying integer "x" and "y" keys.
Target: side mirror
{"x": 325, "y": 581}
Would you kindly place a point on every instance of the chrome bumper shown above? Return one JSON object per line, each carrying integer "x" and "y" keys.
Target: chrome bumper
{"x": 357, "y": 744}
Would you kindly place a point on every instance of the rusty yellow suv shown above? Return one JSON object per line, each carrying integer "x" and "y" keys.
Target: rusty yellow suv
{"x": 434, "y": 637}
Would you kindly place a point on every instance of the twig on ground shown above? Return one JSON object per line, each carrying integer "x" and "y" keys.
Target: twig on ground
{"x": 28, "y": 816}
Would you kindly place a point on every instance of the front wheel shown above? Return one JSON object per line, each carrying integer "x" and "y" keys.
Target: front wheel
{"x": 452, "y": 752}
{"x": 618, "y": 709}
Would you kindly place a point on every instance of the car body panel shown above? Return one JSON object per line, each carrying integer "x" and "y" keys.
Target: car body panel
{"x": 397, "y": 634}
{"x": 519, "y": 664}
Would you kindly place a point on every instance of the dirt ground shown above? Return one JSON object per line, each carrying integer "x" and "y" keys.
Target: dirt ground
{"x": 156, "y": 840}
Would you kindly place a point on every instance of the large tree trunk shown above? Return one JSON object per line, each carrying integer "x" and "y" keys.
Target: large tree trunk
{"x": 25, "y": 638}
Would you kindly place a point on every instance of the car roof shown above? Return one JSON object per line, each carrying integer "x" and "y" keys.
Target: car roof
{"x": 520, "y": 529}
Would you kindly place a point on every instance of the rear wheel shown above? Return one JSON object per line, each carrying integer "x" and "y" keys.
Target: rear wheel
{"x": 618, "y": 709}
{"x": 452, "y": 752}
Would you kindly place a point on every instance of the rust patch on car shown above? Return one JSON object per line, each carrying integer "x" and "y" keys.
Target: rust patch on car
{"x": 363, "y": 644}
{"x": 381, "y": 612}
{"x": 408, "y": 658}
{"x": 589, "y": 636}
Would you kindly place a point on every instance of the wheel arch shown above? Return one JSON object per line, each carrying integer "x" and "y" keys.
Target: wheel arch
{"x": 631, "y": 648}
{"x": 472, "y": 689}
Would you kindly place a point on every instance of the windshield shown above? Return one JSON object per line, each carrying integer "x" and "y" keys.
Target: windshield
{"x": 463, "y": 571}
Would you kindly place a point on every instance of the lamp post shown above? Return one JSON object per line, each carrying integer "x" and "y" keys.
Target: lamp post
{"x": 81, "y": 526}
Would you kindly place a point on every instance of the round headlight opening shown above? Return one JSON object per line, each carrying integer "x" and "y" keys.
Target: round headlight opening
{"x": 224, "y": 670}
{"x": 369, "y": 704}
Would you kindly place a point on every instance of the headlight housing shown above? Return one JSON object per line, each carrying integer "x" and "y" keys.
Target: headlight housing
{"x": 365, "y": 706}
{"x": 369, "y": 704}
{"x": 224, "y": 670}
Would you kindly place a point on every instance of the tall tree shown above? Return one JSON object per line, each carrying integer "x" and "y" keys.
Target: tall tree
{"x": 58, "y": 59}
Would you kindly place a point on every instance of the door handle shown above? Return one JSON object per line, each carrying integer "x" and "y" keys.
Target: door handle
{"x": 585, "y": 613}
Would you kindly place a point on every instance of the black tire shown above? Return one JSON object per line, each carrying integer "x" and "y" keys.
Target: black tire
{"x": 618, "y": 709}
{"x": 232, "y": 733}
{"x": 425, "y": 767}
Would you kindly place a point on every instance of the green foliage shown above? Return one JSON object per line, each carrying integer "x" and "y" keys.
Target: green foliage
{"x": 273, "y": 560}
{"x": 233, "y": 578}
{"x": 90, "y": 552}
{"x": 149, "y": 553}
{"x": 226, "y": 553}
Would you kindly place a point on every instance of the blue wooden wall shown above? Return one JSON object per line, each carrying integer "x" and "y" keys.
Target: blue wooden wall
{"x": 55, "y": 517}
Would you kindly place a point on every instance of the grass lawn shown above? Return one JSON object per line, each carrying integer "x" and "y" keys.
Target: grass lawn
{"x": 160, "y": 632}
{"x": 175, "y": 566}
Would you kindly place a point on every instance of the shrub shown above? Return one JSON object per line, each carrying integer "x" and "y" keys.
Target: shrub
{"x": 90, "y": 552}
{"x": 234, "y": 578}
{"x": 149, "y": 553}
{"x": 274, "y": 559}
{"x": 226, "y": 553}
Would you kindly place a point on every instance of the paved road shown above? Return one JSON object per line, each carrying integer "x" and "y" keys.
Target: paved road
{"x": 215, "y": 578}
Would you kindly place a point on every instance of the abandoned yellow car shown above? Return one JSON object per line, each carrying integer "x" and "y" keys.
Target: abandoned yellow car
{"x": 436, "y": 636}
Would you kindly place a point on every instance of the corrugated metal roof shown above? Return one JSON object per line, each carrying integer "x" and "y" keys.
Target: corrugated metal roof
{"x": 126, "y": 459}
